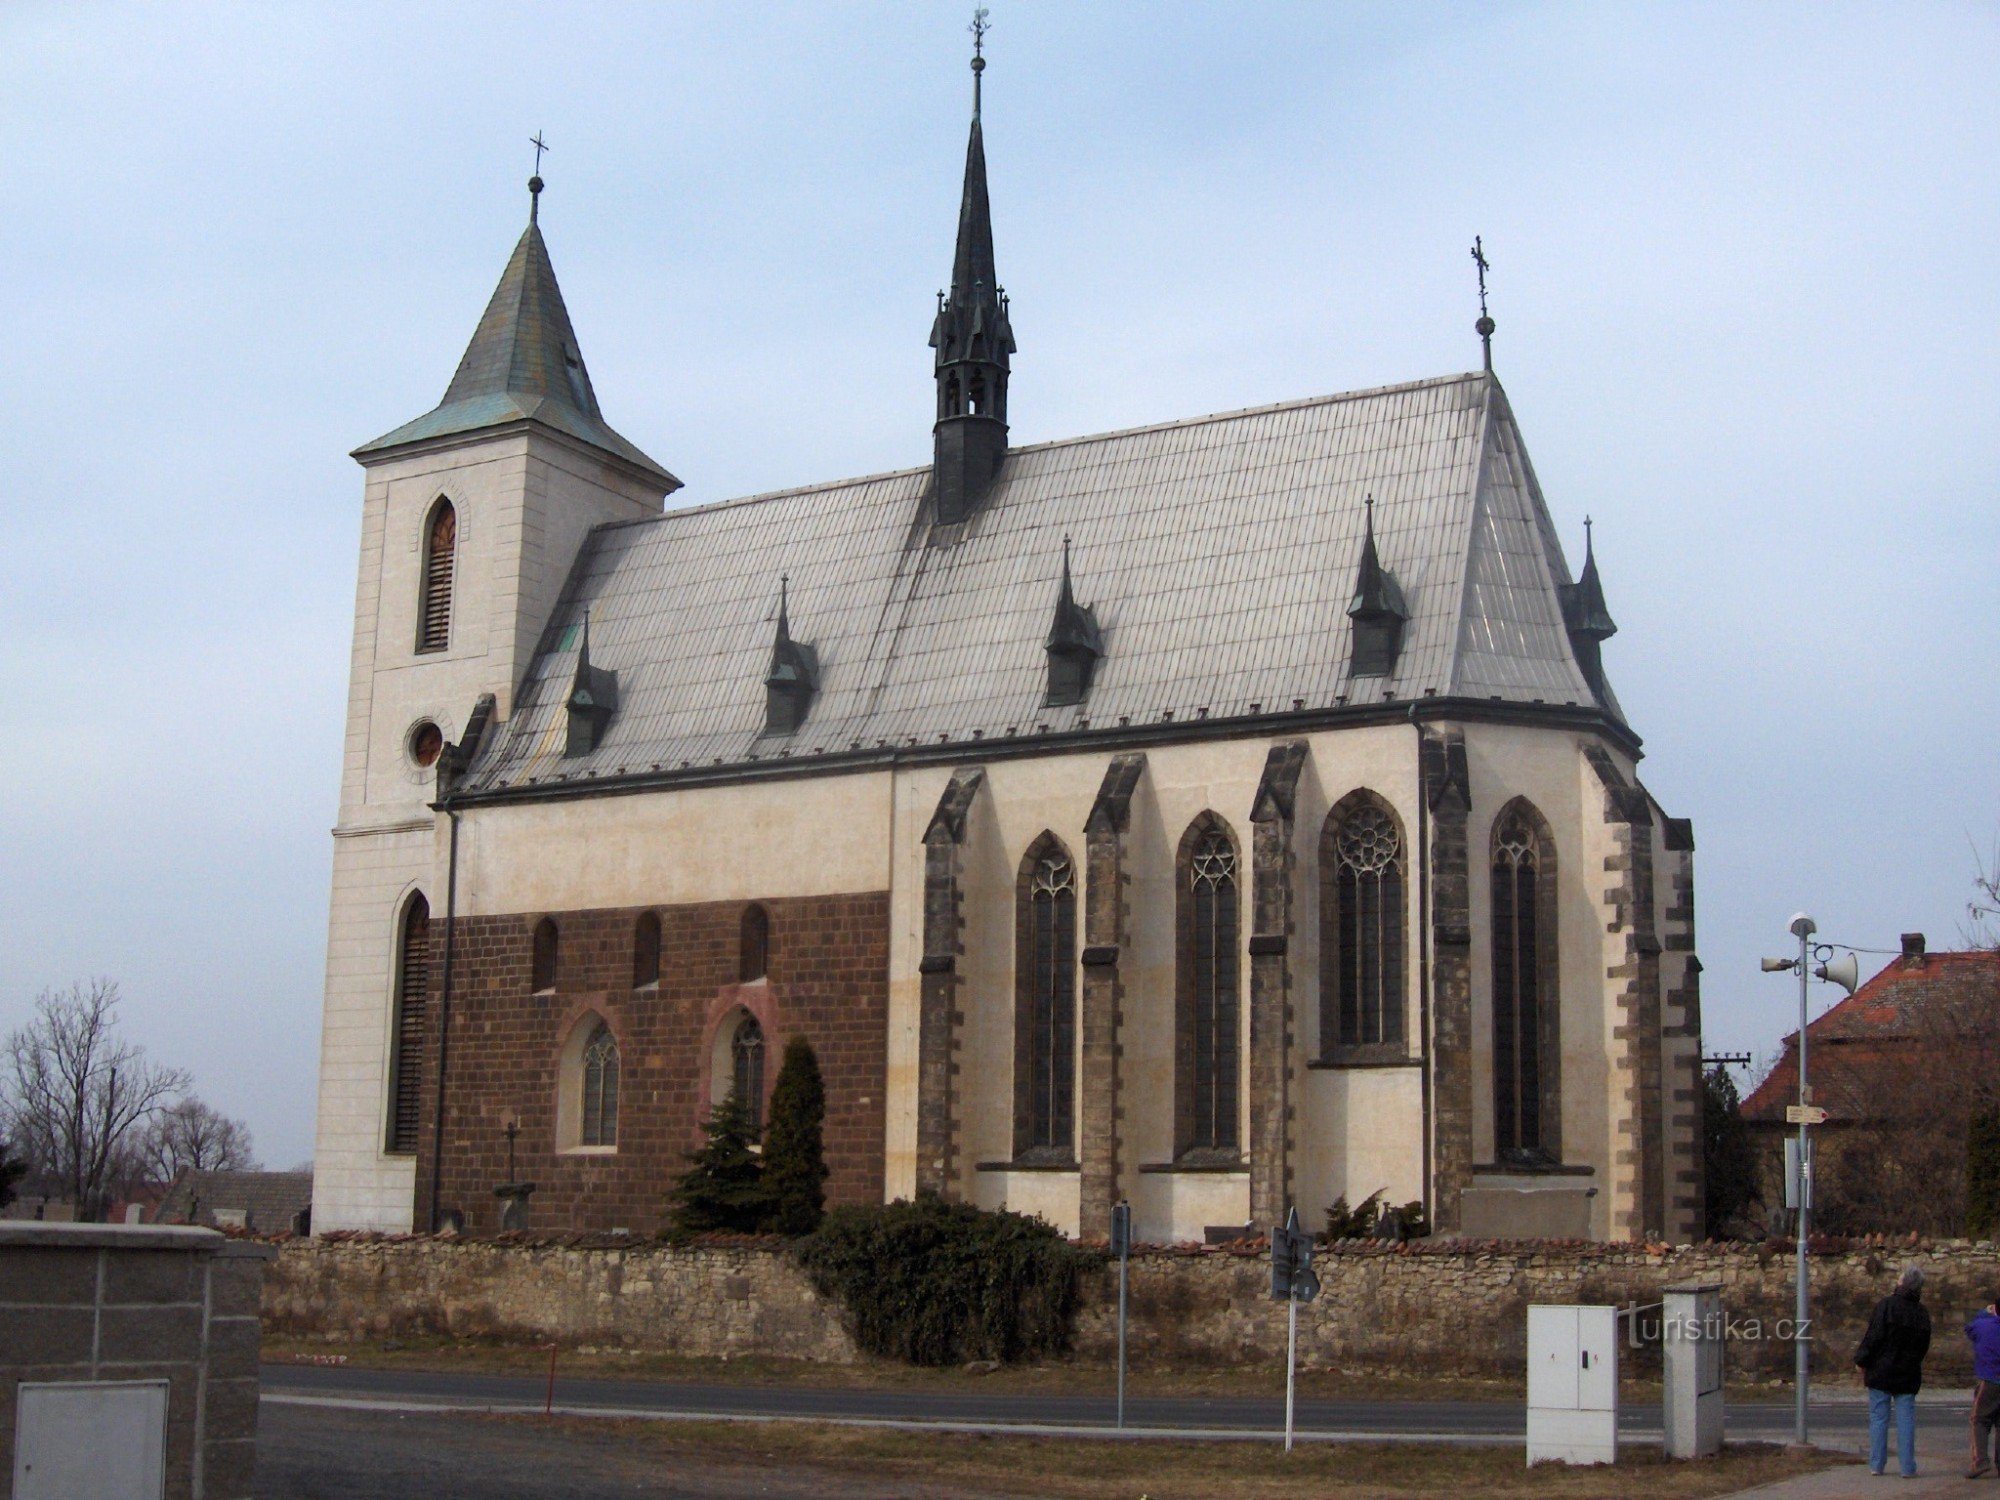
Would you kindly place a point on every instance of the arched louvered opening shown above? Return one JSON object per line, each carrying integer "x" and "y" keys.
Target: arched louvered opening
{"x": 1526, "y": 1081}
{"x": 599, "y": 1126}
{"x": 440, "y": 557}
{"x": 1363, "y": 924}
{"x": 413, "y": 977}
{"x": 753, "y": 945}
{"x": 746, "y": 1069}
{"x": 542, "y": 962}
{"x": 1045, "y": 1004}
{"x": 1208, "y": 1050}
{"x": 646, "y": 952}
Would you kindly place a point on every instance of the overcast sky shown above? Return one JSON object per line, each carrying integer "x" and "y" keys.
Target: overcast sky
{"x": 1745, "y": 263}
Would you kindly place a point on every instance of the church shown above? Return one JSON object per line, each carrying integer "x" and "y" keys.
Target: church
{"x": 1220, "y": 816}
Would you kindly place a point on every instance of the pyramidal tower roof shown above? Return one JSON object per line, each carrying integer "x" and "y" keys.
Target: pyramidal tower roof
{"x": 523, "y": 365}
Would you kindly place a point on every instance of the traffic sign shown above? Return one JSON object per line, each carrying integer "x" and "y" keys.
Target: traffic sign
{"x": 1291, "y": 1260}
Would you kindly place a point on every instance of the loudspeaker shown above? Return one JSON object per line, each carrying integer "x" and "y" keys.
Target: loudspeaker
{"x": 1844, "y": 971}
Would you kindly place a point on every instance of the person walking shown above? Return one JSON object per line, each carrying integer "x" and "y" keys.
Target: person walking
{"x": 1984, "y": 1331}
{"x": 1891, "y": 1361}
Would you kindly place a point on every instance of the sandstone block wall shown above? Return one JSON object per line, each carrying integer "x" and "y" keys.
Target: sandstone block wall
{"x": 1444, "y": 1309}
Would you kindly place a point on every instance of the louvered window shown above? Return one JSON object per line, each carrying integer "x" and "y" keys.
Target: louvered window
{"x": 1517, "y": 992}
{"x": 542, "y": 959}
{"x": 600, "y": 1089}
{"x": 646, "y": 952}
{"x": 746, "y": 1060}
{"x": 753, "y": 960}
{"x": 440, "y": 552}
{"x": 1364, "y": 862}
{"x": 1209, "y": 983}
{"x": 1046, "y": 1052}
{"x": 412, "y": 992}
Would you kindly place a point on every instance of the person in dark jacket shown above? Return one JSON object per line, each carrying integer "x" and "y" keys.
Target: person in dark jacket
{"x": 1984, "y": 1331}
{"x": 1891, "y": 1359}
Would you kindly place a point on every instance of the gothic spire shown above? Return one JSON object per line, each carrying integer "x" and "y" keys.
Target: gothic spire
{"x": 1377, "y": 609}
{"x": 1074, "y": 645}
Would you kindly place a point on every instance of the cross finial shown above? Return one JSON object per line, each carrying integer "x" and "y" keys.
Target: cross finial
{"x": 979, "y": 27}
{"x": 1485, "y": 324}
{"x": 535, "y": 182}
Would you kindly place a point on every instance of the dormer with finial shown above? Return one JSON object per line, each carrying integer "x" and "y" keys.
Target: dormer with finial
{"x": 973, "y": 339}
{"x": 1075, "y": 645}
{"x": 593, "y": 699}
{"x": 1377, "y": 611}
{"x": 1586, "y": 618}
{"x": 793, "y": 679}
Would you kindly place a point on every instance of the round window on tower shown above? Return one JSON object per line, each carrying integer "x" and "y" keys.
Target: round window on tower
{"x": 426, "y": 743}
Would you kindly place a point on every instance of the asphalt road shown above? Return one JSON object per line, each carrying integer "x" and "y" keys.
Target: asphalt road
{"x": 1834, "y": 1422}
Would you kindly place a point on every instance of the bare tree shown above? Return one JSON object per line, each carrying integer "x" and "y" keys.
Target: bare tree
{"x": 1983, "y": 910}
{"x": 76, "y": 1092}
{"x": 189, "y": 1136}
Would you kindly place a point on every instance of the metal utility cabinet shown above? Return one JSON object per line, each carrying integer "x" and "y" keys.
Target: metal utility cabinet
{"x": 1573, "y": 1385}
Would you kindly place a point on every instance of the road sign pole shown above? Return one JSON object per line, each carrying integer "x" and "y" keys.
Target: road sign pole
{"x": 1291, "y": 1363}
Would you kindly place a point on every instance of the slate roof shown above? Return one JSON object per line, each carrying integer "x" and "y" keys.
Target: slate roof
{"x": 523, "y": 364}
{"x": 1219, "y": 554}
{"x": 270, "y": 1198}
{"x": 1876, "y": 1025}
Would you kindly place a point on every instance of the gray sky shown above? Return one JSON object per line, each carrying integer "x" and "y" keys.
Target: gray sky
{"x": 1744, "y": 272}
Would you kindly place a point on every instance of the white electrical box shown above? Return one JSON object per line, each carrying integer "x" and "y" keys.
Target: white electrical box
{"x": 1573, "y": 1385}
{"x": 103, "y": 1439}
{"x": 1691, "y": 1330}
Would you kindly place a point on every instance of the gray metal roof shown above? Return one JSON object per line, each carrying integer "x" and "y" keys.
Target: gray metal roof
{"x": 1219, "y": 555}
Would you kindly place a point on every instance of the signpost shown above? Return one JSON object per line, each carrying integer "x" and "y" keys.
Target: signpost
{"x": 1292, "y": 1282}
{"x": 1805, "y": 1114}
{"x": 1121, "y": 1246}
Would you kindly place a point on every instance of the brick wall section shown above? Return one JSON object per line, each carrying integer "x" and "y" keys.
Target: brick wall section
{"x": 1106, "y": 919}
{"x": 828, "y": 979}
{"x": 177, "y": 1305}
{"x": 1448, "y": 795}
{"x": 1273, "y": 1055}
{"x": 1433, "y": 1307}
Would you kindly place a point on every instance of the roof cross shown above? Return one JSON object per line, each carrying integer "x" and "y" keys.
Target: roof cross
{"x": 535, "y": 182}
{"x": 540, "y": 146}
{"x": 1484, "y": 326}
{"x": 978, "y": 28}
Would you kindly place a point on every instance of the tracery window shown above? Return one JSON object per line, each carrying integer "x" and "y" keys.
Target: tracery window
{"x": 1525, "y": 1111}
{"x": 646, "y": 951}
{"x": 746, "y": 1057}
{"x": 1045, "y": 1000}
{"x": 1362, "y": 935}
{"x": 1208, "y": 1052}
{"x": 542, "y": 961}
{"x": 440, "y": 556}
{"x": 754, "y": 945}
{"x": 600, "y": 1088}
{"x": 413, "y": 971}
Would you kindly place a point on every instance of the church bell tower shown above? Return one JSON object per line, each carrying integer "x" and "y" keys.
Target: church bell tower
{"x": 973, "y": 340}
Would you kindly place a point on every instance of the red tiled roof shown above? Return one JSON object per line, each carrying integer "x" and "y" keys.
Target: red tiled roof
{"x": 1872, "y": 1026}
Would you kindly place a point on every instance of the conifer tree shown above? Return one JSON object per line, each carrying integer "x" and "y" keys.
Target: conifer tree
{"x": 723, "y": 1189}
{"x": 794, "y": 1144}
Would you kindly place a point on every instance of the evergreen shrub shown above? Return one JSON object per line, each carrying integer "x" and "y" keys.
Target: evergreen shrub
{"x": 794, "y": 1145}
{"x": 723, "y": 1189}
{"x": 936, "y": 1283}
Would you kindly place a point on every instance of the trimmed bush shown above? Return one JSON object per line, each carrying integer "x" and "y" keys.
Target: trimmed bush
{"x": 794, "y": 1145}
{"x": 936, "y": 1283}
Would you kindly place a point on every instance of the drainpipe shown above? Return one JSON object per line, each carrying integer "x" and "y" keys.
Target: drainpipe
{"x": 444, "y": 1017}
{"x": 1423, "y": 864}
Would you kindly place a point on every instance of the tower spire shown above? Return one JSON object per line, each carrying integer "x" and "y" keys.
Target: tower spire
{"x": 972, "y": 336}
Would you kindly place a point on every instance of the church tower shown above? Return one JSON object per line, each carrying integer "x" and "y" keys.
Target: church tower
{"x": 973, "y": 340}
{"x": 471, "y": 518}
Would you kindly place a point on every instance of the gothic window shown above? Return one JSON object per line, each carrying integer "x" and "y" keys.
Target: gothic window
{"x": 1526, "y": 1111}
{"x": 542, "y": 964}
{"x": 413, "y": 971}
{"x": 754, "y": 945}
{"x": 1207, "y": 1054}
{"x": 746, "y": 1070}
{"x": 440, "y": 553}
{"x": 1362, "y": 924}
{"x": 1045, "y": 1004}
{"x": 646, "y": 952}
{"x": 600, "y": 1089}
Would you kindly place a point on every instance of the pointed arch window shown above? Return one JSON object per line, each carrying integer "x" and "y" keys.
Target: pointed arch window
{"x": 1045, "y": 1005}
{"x": 1209, "y": 1008}
{"x": 746, "y": 1070}
{"x": 1526, "y": 1095}
{"x": 413, "y": 971}
{"x": 646, "y": 952}
{"x": 542, "y": 960}
{"x": 600, "y": 1088}
{"x": 1363, "y": 943}
{"x": 753, "y": 960}
{"x": 440, "y": 557}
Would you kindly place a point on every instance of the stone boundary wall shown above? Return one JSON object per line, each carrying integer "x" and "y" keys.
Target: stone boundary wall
{"x": 1445, "y": 1308}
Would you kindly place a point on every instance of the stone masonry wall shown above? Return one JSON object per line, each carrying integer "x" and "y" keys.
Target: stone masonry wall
{"x": 1434, "y": 1308}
